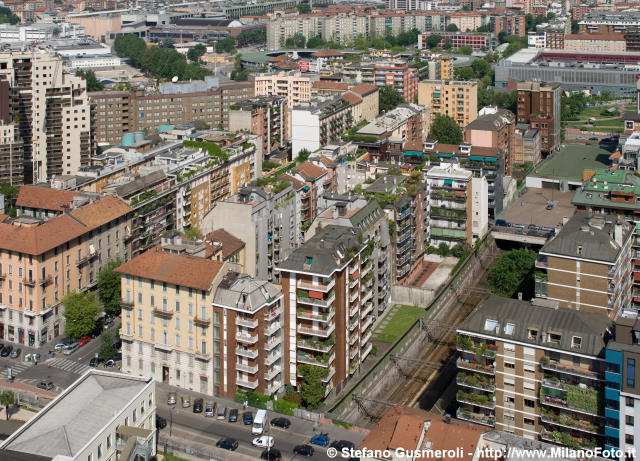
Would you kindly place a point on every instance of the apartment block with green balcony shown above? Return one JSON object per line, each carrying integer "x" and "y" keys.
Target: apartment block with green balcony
{"x": 535, "y": 370}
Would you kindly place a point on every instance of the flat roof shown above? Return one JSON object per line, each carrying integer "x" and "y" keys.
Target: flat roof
{"x": 570, "y": 162}
{"x": 78, "y": 415}
{"x": 531, "y": 208}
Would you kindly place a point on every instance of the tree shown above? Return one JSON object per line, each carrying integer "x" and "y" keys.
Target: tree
{"x": 394, "y": 170}
{"x": 80, "y": 313}
{"x": 311, "y": 387}
{"x": 303, "y": 8}
{"x": 513, "y": 273}
{"x": 575, "y": 27}
{"x": 481, "y": 68}
{"x": 315, "y": 42}
{"x": 6, "y": 400}
{"x": 7, "y": 16}
{"x": 464, "y": 73}
{"x": 195, "y": 53}
{"x": 452, "y": 28}
{"x": 10, "y": 192}
{"x": 167, "y": 43}
{"x": 109, "y": 286}
{"x": 107, "y": 348}
{"x": 226, "y": 45}
{"x": 388, "y": 99}
{"x": 93, "y": 84}
{"x": 466, "y": 50}
{"x": 483, "y": 29}
{"x": 445, "y": 130}
{"x": 434, "y": 40}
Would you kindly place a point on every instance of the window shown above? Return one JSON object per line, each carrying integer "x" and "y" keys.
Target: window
{"x": 108, "y": 442}
{"x": 629, "y": 401}
{"x": 555, "y": 338}
{"x": 530, "y": 385}
{"x": 529, "y": 369}
{"x": 529, "y": 403}
{"x": 532, "y": 334}
{"x": 99, "y": 451}
{"x": 631, "y": 372}
{"x": 509, "y": 329}
{"x": 508, "y": 347}
{"x": 510, "y": 365}
{"x": 629, "y": 420}
{"x": 509, "y": 399}
{"x": 576, "y": 341}
{"x": 529, "y": 421}
{"x": 491, "y": 325}
{"x": 628, "y": 439}
{"x": 509, "y": 382}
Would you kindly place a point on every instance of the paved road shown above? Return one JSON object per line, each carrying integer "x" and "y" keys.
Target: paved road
{"x": 189, "y": 426}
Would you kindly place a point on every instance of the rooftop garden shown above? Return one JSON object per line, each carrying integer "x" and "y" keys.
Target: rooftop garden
{"x": 212, "y": 148}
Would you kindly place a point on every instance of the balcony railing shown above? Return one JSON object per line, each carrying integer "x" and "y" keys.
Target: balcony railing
{"x": 475, "y": 382}
{"x": 272, "y": 374}
{"x": 246, "y": 338}
{"x": 126, "y": 304}
{"x": 273, "y": 343}
{"x": 486, "y": 420}
{"x": 475, "y": 366}
{"x": 249, "y": 353}
{"x": 316, "y": 316}
{"x": 249, "y": 323}
{"x": 478, "y": 400}
{"x": 245, "y": 383}
{"x": 314, "y": 345}
{"x": 201, "y": 322}
{"x": 315, "y": 331}
{"x": 163, "y": 313}
{"x": 319, "y": 361}
{"x": 251, "y": 369}
{"x": 317, "y": 302}
{"x": 564, "y": 420}
{"x": 270, "y": 359}
{"x": 568, "y": 369}
{"x": 316, "y": 286}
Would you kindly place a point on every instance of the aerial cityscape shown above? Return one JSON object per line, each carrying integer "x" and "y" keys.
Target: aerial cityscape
{"x": 374, "y": 230}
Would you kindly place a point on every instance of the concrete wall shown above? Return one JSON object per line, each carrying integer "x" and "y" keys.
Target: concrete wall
{"x": 412, "y": 296}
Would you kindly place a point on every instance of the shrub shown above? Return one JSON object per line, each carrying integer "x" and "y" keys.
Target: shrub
{"x": 291, "y": 395}
{"x": 284, "y": 406}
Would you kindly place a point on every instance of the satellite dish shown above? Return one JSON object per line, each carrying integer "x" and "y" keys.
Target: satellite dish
{"x": 174, "y": 79}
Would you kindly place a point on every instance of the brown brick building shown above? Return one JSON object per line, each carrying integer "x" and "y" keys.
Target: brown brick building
{"x": 539, "y": 107}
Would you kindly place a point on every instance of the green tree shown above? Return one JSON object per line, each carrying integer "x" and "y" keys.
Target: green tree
{"x": 8, "y": 17}
{"x": 6, "y": 400}
{"x": 315, "y": 42}
{"x": 445, "y": 130}
{"x": 434, "y": 40}
{"x": 388, "y": 99}
{"x": 481, "y": 68}
{"x": 10, "y": 193}
{"x": 452, "y": 28}
{"x": 303, "y": 8}
{"x": 575, "y": 27}
{"x": 192, "y": 233}
{"x": 80, "y": 312}
{"x": 464, "y": 73}
{"x": 167, "y": 43}
{"x": 311, "y": 386}
{"x": 109, "y": 286}
{"x": 467, "y": 50}
{"x": 513, "y": 273}
{"x": 93, "y": 84}
{"x": 196, "y": 52}
{"x": 107, "y": 348}
{"x": 226, "y": 45}
{"x": 483, "y": 29}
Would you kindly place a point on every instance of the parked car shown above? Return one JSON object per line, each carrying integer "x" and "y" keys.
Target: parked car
{"x": 46, "y": 385}
{"x": 15, "y": 353}
{"x": 227, "y": 444}
{"x": 210, "y": 409}
{"x": 6, "y": 351}
{"x": 171, "y": 400}
{"x": 263, "y": 441}
{"x": 303, "y": 450}
{"x": 282, "y": 423}
{"x": 60, "y": 346}
{"x": 96, "y": 361}
{"x": 186, "y": 403}
{"x": 593, "y": 138}
{"x": 271, "y": 454}
{"x": 71, "y": 349}
{"x": 502, "y": 223}
{"x": 117, "y": 357}
{"x": 197, "y": 405}
{"x": 161, "y": 423}
{"x": 222, "y": 413}
{"x": 340, "y": 444}
{"x": 32, "y": 357}
{"x": 84, "y": 340}
{"x": 320, "y": 439}
{"x": 108, "y": 323}
{"x": 109, "y": 364}
{"x": 247, "y": 418}
{"x": 233, "y": 415}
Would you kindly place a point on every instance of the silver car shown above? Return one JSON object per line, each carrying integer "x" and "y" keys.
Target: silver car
{"x": 71, "y": 349}
{"x": 172, "y": 398}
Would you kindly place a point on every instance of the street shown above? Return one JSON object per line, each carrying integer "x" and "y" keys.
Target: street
{"x": 182, "y": 423}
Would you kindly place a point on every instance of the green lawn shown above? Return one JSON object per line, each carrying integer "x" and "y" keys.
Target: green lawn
{"x": 589, "y": 112}
{"x": 172, "y": 457}
{"x": 398, "y": 324}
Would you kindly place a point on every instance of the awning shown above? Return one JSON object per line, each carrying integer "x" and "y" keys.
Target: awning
{"x": 445, "y": 155}
{"x": 413, "y": 153}
{"x": 490, "y": 159}
{"x": 477, "y": 159}
{"x": 448, "y": 181}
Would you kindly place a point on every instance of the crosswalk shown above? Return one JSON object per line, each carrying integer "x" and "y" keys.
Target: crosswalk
{"x": 16, "y": 369}
{"x": 68, "y": 365}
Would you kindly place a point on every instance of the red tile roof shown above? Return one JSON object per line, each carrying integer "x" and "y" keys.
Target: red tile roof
{"x": 610, "y": 36}
{"x": 183, "y": 270}
{"x": 364, "y": 89}
{"x": 37, "y": 239}
{"x": 230, "y": 243}
{"x": 44, "y": 198}
{"x": 328, "y": 85}
{"x": 295, "y": 183}
{"x": 309, "y": 171}
{"x": 101, "y": 211}
{"x": 352, "y": 99}
{"x": 327, "y": 53}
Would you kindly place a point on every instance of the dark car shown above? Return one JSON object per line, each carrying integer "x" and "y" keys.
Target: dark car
{"x": 340, "y": 444}
{"x": 233, "y": 415}
{"x": 247, "y": 418}
{"x": 271, "y": 455}
{"x": 594, "y": 138}
{"x": 502, "y": 223}
{"x": 15, "y": 353}
{"x": 197, "y": 405}
{"x": 117, "y": 345}
{"x": 282, "y": 423}
{"x": 94, "y": 362}
{"x": 6, "y": 351}
{"x": 45, "y": 385}
{"x": 117, "y": 357}
{"x": 227, "y": 444}
{"x": 161, "y": 423}
{"x": 303, "y": 450}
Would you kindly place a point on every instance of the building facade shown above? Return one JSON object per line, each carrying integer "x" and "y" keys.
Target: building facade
{"x": 267, "y": 117}
{"x": 457, "y": 99}
{"x": 291, "y": 85}
{"x": 494, "y": 128}
{"x": 539, "y": 107}
{"x": 595, "y": 42}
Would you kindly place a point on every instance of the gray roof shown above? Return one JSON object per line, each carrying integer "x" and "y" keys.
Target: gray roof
{"x": 366, "y": 216}
{"x": 139, "y": 183}
{"x": 595, "y": 234}
{"x": 243, "y": 291}
{"x": 492, "y": 122}
{"x": 386, "y": 183}
{"x": 546, "y": 451}
{"x": 189, "y": 87}
{"x": 324, "y": 251}
{"x": 590, "y": 326}
{"x": 73, "y": 419}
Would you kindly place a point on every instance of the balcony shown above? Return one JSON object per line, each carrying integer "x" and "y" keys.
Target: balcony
{"x": 272, "y": 343}
{"x": 272, "y": 329}
{"x": 353, "y": 352}
{"x": 29, "y": 282}
{"x": 366, "y": 338}
{"x": 567, "y": 439}
{"x": 472, "y": 365}
{"x": 272, "y": 358}
{"x": 570, "y": 397}
{"x": 354, "y": 295}
{"x": 246, "y": 338}
{"x": 367, "y": 297}
{"x": 477, "y": 400}
{"x": 368, "y": 307}
{"x": 320, "y": 286}
{"x": 316, "y": 316}
{"x": 163, "y": 347}
{"x": 126, "y": 336}
{"x": 201, "y": 322}
{"x": 273, "y": 315}
{"x": 162, "y": 313}
{"x": 126, "y": 304}
{"x": 365, "y": 325}
{"x": 564, "y": 420}
{"x": 315, "y": 331}
{"x": 48, "y": 279}
{"x": 314, "y": 345}
{"x": 366, "y": 352}
{"x": 302, "y": 298}
{"x": 88, "y": 257}
{"x": 570, "y": 370}
{"x": 272, "y": 374}
{"x": 273, "y": 388}
{"x": 245, "y": 322}
{"x": 204, "y": 356}
{"x": 324, "y": 360}
{"x": 250, "y": 369}
{"x": 475, "y": 381}
{"x": 478, "y": 418}
{"x": 248, "y": 353}
{"x": 247, "y": 384}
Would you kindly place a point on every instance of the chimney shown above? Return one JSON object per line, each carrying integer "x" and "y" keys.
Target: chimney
{"x": 617, "y": 232}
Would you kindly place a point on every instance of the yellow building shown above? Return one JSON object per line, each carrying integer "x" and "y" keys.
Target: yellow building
{"x": 610, "y": 42}
{"x": 457, "y": 99}
{"x": 446, "y": 67}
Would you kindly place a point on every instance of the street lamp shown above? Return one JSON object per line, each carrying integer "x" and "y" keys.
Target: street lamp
{"x": 171, "y": 419}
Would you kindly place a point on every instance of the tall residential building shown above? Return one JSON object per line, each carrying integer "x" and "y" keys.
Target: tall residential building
{"x": 265, "y": 219}
{"x": 526, "y": 145}
{"x": 399, "y": 76}
{"x": 328, "y": 308}
{"x": 457, "y": 99}
{"x": 610, "y": 42}
{"x": 587, "y": 265}
{"x": 494, "y": 128}
{"x": 56, "y": 248}
{"x": 116, "y": 113}
{"x": 371, "y": 222}
{"x": 539, "y": 107}
{"x": 266, "y": 116}
{"x": 291, "y": 85}
{"x": 48, "y": 116}
{"x": 509, "y": 24}
{"x": 533, "y": 370}
{"x": 457, "y": 206}
{"x": 368, "y": 109}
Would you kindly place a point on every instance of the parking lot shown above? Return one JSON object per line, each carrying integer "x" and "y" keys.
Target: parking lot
{"x": 531, "y": 208}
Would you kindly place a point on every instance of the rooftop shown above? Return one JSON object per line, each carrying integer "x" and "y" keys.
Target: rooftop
{"x": 44, "y": 198}
{"x": 386, "y": 183}
{"x": 241, "y": 291}
{"x": 230, "y": 244}
{"x": 391, "y": 120}
{"x": 78, "y": 415}
{"x": 492, "y": 121}
{"x": 511, "y": 319}
{"x": 570, "y": 162}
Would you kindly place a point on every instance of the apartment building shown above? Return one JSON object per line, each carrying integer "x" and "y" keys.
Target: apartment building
{"x": 291, "y": 85}
{"x": 539, "y": 107}
{"x": 368, "y": 107}
{"x": 118, "y": 113}
{"x": 42, "y": 259}
{"x": 611, "y": 42}
{"x": 456, "y": 206}
{"x": 265, "y": 220}
{"x": 50, "y": 126}
{"x": 494, "y": 128}
{"x": 319, "y": 121}
{"x": 399, "y": 76}
{"x": 587, "y": 265}
{"x": 265, "y": 116}
{"x": 526, "y": 145}
{"x": 509, "y": 24}
{"x": 533, "y": 370}
{"x": 279, "y": 29}
{"x": 370, "y": 221}
{"x": 328, "y": 311}
{"x": 457, "y": 99}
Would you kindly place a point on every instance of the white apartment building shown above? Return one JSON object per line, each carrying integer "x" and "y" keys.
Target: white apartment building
{"x": 291, "y": 85}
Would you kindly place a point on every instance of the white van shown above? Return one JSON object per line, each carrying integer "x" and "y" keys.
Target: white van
{"x": 259, "y": 422}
